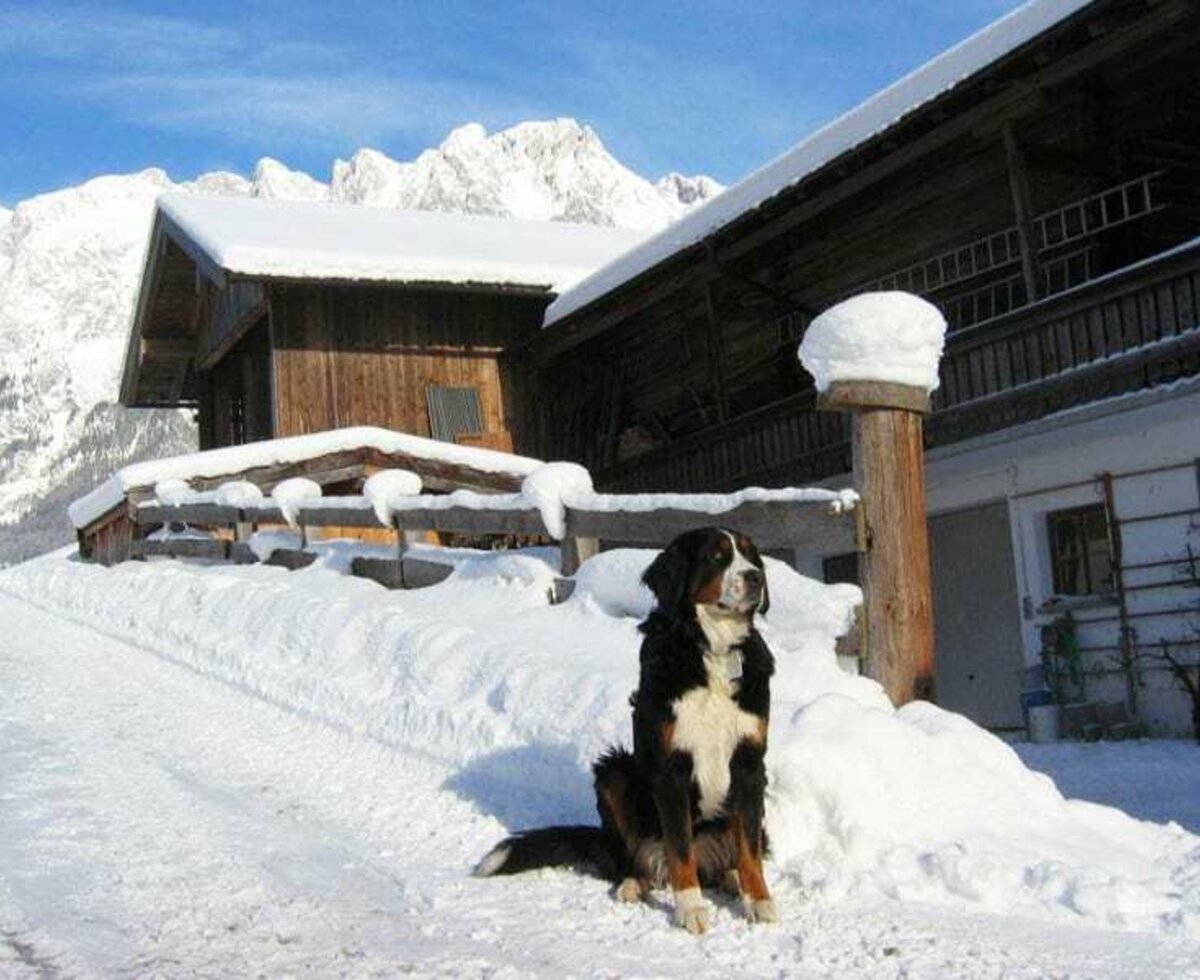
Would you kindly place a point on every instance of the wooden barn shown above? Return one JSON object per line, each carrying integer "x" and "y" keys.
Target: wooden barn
{"x": 278, "y": 318}
{"x": 1040, "y": 183}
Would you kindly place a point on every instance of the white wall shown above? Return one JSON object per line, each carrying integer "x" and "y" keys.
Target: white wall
{"x": 1028, "y": 467}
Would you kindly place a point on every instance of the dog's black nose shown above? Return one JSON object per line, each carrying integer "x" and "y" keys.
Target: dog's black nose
{"x": 753, "y": 579}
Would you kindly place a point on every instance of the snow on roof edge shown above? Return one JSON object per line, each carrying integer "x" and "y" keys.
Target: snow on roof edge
{"x": 361, "y": 243}
{"x": 290, "y": 449}
{"x": 866, "y": 120}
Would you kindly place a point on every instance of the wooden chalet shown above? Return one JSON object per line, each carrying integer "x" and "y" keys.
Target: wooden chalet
{"x": 275, "y": 319}
{"x": 1040, "y": 183}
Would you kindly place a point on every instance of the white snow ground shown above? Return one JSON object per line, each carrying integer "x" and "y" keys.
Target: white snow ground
{"x": 209, "y": 771}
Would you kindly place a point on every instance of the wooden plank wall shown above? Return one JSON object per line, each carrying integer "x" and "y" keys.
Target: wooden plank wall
{"x": 364, "y": 355}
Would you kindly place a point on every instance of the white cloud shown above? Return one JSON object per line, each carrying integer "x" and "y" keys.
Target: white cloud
{"x": 179, "y": 74}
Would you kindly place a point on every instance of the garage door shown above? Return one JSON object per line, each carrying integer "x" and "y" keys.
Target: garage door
{"x": 977, "y": 629}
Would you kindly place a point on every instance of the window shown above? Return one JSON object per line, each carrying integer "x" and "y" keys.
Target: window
{"x": 841, "y": 568}
{"x": 1079, "y": 551}
{"x": 453, "y": 411}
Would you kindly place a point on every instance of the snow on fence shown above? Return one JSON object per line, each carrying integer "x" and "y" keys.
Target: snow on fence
{"x": 813, "y": 519}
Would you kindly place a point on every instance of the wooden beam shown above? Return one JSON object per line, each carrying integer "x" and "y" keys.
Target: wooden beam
{"x": 148, "y": 514}
{"x": 401, "y": 573}
{"x": 211, "y": 548}
{"x": 1018, "y": 182}
{"x": 171, "y": 348}
{"x": 846, "y": 395}
{"x": 716, "y": 353}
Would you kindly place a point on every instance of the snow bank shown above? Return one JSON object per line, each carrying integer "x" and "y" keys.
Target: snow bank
{"x": 518, "y": 696}
{"x": 293, "y": 449}
{"x": 887, "y": 336}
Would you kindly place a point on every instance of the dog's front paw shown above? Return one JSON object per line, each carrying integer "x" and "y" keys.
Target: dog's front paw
{"x": 632, "y": 890}
{"x": 761, "y": 910}
{"x": 691, "y": 911}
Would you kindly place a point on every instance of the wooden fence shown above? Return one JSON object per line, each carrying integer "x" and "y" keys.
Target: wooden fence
{"x": 774, "y": 519}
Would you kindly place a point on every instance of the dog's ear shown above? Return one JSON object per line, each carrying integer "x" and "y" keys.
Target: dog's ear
{"x": 669, "y": 577}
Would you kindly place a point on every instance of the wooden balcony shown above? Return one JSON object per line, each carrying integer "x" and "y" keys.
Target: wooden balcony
{"x": 1132, "y": 329}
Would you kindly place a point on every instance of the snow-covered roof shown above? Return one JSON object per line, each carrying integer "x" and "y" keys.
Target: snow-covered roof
{"x": 321, "y": 240}
{"x": 870, "y": 118}
{"x": 230, "y": 460}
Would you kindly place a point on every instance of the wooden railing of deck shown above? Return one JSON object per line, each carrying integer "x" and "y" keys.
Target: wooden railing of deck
{"x": 1132, "y": 329}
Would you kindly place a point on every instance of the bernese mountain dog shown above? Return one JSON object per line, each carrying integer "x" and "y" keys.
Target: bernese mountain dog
{"x": 685, "y": 807}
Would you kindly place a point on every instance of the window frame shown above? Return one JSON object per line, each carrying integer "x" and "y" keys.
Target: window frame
{"x": 1078, "y": 517}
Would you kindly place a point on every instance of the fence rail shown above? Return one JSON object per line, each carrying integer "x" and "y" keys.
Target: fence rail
{"x": 779, "y": 520}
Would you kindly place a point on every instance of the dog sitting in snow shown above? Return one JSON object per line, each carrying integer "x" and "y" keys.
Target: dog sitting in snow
{"x": 685, "y": 808}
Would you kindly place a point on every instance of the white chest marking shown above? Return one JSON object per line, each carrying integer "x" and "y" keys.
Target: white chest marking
{"x": 709, "y": 725}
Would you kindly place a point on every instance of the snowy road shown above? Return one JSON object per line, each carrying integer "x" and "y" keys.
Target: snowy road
{"x": 154, "y": 822}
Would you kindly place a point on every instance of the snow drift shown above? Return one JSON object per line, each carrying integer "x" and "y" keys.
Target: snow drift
{"x": 518, "y": 696}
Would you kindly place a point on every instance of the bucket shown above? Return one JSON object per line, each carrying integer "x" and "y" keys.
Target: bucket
{"x": 1045, "y": 723}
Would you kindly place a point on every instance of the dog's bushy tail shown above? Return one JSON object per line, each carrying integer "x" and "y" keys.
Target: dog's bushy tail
{"x": 585, "y": 848}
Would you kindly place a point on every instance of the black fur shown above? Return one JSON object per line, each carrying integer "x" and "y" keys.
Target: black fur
{"x": 648, "y": 800}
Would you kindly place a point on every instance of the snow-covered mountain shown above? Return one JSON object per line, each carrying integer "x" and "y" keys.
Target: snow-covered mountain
{"x": 70, "y": 261}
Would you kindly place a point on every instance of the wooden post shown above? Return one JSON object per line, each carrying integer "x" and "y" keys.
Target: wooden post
{"x": 575, "y": 551}
{"x": 889, "y": 475}
{"x": 1018, "y": 182}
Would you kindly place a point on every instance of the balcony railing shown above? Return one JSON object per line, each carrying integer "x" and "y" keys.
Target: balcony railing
{"x": 1132, "y": 329}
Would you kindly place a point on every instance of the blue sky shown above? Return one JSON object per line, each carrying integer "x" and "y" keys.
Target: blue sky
{"x": 701, "y": 87}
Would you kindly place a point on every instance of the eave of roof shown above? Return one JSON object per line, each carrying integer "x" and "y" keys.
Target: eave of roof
{"x": 317, "y": 241}
{"x": 870, "y": 119}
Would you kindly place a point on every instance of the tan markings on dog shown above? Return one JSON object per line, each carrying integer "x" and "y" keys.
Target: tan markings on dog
{"x": 749, "y": 863}
{"x": 682, "y": 874}
{"x": 612, "y": 797}
{"x": 763, "y": 725}
{"x": 711, "y": 591}
{"x": 668, "y": 737}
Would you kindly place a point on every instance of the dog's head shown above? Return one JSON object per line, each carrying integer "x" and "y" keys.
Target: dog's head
{"x": 711, "y": 567}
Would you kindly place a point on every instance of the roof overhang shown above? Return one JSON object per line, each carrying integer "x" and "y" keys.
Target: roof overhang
{"x": 996, "y": 74}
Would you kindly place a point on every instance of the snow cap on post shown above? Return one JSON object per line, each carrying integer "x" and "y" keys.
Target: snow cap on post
{"x": 891, "y": 337}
